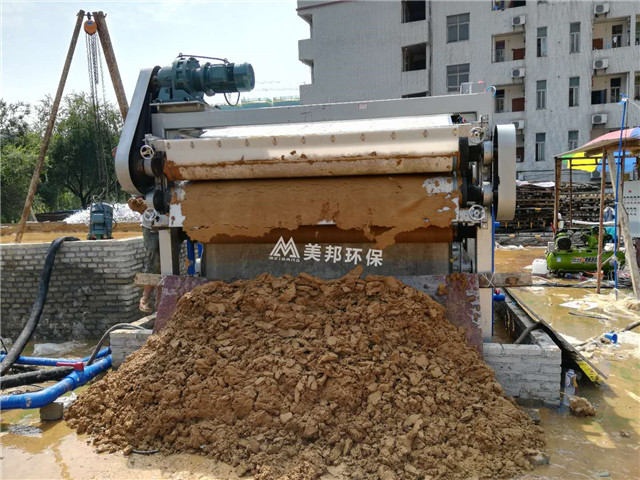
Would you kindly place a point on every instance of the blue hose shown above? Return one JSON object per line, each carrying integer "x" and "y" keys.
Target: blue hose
{"x": 49, "y": 394}
{"x": 52, "y": 362}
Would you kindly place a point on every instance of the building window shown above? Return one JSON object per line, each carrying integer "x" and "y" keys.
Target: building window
{"x": 573, "y": 139}
{"x": 616, "y": 36}
{"x": 636, "y": 94}
{"x": 519, "y": 154}
{"x": 615, "y": 89}
{"x": 499, "y": 101}
{"x": 598, "y": 97}
{"x": 457, "y": 28}
{"x": 540, "y": 140}
{"x": 574, "y": 37}
{"x": 413, "y": 11}
{"x": 414, "y": 57}
{"x": 542, "y": 42}
{"x": 457, "y": 74}
{"x": 502, "y": 4}
{"x": 574, "y": 91}
{"x": 415, "y": 95}
{"x": 499, "y": 55}
{"x": 541, "y": 94}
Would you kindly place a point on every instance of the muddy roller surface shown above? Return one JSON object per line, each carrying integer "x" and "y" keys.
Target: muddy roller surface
{"x": 253, "y": 208}
{"x": 293, "y": 377}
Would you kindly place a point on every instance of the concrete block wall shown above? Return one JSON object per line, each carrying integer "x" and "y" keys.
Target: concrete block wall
{"x": 125, "y": 342}
{"x": 91, "y": 287}
{"x": 529, "y": 373}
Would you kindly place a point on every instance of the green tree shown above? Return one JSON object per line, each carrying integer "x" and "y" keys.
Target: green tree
{"x": 18, "y": 155}
{"x": 16, "y": 169}
{"x": 14, "y": 122}
{"x": 80, "y": 158}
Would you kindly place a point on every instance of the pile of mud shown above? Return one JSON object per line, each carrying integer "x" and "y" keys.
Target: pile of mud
{"x": 292, "y": 377}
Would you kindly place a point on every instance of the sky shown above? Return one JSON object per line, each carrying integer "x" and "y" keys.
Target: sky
{"x": 36, "y": 35}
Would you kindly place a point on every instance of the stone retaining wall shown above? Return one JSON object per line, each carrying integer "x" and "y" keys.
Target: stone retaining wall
{"x": 530, "y": 372}
{"x": 125, "y": 342}
{"x": 91, "y": 287}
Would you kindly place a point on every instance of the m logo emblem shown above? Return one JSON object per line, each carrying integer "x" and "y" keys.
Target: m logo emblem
{"x": 285, "y": 251}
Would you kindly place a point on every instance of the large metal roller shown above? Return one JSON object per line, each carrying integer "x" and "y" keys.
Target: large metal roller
{"x": 380, "y": 208}
{"x": 425, "y": 144}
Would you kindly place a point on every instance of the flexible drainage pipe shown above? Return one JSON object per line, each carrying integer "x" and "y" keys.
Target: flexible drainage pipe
{"x": 52, "y": 362}
{"x": 49, "y": 394}
{"x": 36, "y": 310}
{"x": 37, "y": 376}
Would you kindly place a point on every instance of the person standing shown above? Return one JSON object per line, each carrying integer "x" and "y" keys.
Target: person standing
{"x": 151, "y": 245}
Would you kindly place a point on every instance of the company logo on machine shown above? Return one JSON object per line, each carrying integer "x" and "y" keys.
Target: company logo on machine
{"x": 288, "y": 252}
{"x": 584, "y": 260}
{"x": 285, "y": 251}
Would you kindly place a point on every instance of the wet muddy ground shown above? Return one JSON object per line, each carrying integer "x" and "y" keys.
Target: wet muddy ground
{"x": 604, "y": 446}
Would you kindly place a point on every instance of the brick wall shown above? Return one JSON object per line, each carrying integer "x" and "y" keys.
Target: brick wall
{"x": 531, "y": 371}
{"x": 527, "y": 372}
{"x": 91, "y": 287}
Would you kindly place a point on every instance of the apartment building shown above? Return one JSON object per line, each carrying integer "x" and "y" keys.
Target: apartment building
{"x": 559, "y": 68}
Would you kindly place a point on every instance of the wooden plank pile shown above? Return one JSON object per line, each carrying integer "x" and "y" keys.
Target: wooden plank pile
{"x": 534, "y": 206}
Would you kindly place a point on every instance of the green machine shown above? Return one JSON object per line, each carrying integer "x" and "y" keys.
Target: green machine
{"x": 563, "y": 256}
{"x": 100, "y": 221}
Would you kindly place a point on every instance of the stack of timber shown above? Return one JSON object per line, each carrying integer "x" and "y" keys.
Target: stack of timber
{"x": 534, "y": 206}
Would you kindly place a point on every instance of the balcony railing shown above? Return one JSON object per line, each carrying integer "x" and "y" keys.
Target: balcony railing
{"x": 611, "y": 41}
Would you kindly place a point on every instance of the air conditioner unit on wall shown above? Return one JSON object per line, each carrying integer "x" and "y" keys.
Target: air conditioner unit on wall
{"x": 518, "y": 21}
{"x": 599, "y": 118}
{"x": 519, "y": 124}
{"x": 601, "y": 63}
{"x": 601, "y": 8}
{"x": 517, "y": 73}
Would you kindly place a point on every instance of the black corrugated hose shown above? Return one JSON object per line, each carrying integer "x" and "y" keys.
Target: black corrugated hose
{"x": 38, "y": 305}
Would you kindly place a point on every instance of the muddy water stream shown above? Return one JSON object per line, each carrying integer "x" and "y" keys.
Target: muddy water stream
{"x": 604, "y": 446}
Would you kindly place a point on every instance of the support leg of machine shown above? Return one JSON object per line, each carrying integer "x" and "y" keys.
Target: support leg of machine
{"x": 169, "y": 251}
{"x": 484, "y": 248}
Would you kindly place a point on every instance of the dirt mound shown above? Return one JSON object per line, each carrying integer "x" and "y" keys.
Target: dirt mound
{"x": 581, "y": 407}
{"x": 288, "y": 377}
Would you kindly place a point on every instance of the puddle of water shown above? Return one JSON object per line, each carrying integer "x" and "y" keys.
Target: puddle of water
{"x": 609, "y": 442}
{"x": 74, "y": 349}
{"x": 578, "y": 323}
{"x": 25, "y": 430}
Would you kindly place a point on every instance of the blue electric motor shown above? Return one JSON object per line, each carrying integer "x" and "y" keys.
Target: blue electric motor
{"x": 100, "y": 221}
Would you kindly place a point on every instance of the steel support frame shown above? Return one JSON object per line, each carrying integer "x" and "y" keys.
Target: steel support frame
{"x": 476, "y": 106}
